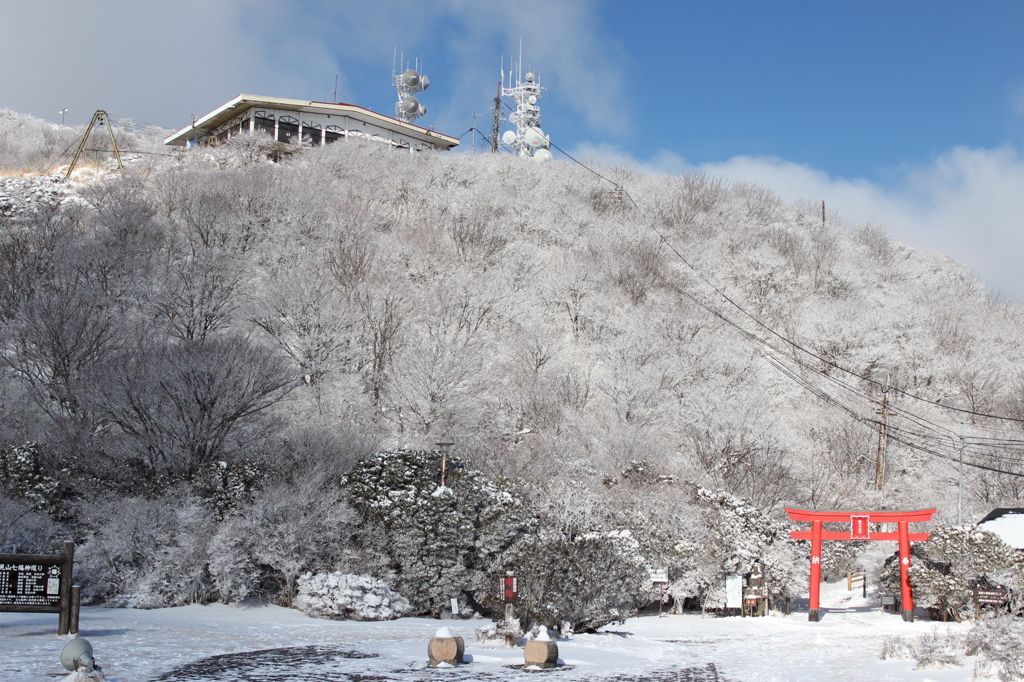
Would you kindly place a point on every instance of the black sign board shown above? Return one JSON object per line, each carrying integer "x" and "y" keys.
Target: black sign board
{"x": 33, "y": 585}
{"x": 40, "y": 583}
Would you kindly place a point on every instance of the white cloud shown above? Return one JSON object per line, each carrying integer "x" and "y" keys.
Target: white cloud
{"x": 966, "y": 203}
{"x": 156, "y": 61}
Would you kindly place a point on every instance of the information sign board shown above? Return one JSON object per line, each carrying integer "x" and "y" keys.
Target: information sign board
{"x": 40, "y": 583}
{"x": 659, "y": 575}
{"x": 734, "y": 592}
{"x": 31, "y": 585}
{"x": 996, "y": 596}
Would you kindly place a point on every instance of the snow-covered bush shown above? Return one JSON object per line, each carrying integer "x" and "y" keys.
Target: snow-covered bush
{"x": 343, "y": 596}
{"x": 23, "y": 530}
{"x": 288, "y": 530}
{"x": 732, "y": 535}
{"x": 586, "y": 581}
{"x": 433, "y": 542}
{"x": 25, "y": 476}
{"x": 500, "y": 632}
{"x": 142, "y": 552}
{"x": 995, "y": 641}
{"x": 945, "y": 569}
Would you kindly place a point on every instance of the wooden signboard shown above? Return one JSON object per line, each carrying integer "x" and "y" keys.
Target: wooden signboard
{"x": 996, "y": 596}
{"x": 40, "y": 583}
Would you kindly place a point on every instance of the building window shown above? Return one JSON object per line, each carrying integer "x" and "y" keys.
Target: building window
{"x": 333, "y": 134}
{"x": 311, "y": 133}
{"x": 288, "y": 129}
{"x": 265, "y": 122}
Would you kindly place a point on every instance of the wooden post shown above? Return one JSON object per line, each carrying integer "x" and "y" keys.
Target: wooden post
{"x": 812, "y": 613}
{"x": 65, "y": 589}
{"x": 76, "y": 607}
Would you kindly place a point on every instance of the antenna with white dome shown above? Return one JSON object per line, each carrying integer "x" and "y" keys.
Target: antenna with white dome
{"x": 528, "y": 139}
{"x": 409, "y": 82}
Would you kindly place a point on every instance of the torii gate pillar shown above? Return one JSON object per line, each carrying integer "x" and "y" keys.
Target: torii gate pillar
{"x": 860, "y": 529}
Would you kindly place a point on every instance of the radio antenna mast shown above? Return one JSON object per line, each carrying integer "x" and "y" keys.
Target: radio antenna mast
{"x": 528, "y": 139}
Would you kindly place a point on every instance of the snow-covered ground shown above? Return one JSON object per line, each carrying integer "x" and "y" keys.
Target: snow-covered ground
{"x": 177, "y": 645}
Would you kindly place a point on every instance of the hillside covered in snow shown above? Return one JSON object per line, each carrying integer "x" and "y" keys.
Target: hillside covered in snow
{"x": 211, "y": 348}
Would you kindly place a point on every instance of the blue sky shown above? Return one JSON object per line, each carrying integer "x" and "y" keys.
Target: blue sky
{"x": 910, "y": 114}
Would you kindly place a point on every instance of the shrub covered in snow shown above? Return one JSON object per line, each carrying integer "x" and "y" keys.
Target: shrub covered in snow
{"x": 946, "y": 567}
{"x": 342, "y": 596}
{"x": 581, "y": 582}
{"x": 731, "y": 536}
{"x": 433, "y": 542}
{"x": 996, "y": 642}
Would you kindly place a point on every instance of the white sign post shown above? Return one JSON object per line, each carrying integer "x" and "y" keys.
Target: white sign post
{"x": 734, "y": 592}
{"x": 659, "y": 576}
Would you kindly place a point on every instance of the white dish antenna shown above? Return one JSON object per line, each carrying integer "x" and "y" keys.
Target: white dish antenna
{"x": 528, "y": 138}
{"x": 407, "y": 83}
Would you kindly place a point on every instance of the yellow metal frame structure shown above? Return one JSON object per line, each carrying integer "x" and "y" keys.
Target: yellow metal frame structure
{"x": 99, "y": 116}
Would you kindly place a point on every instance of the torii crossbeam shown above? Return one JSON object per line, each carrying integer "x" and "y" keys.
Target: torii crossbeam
{"x": 860, "y": 529}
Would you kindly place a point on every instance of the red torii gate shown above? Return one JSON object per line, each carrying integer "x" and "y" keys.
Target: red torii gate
{"x": 860, "y": 529}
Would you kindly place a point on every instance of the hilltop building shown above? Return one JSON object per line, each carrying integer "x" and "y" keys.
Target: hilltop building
{"x": 293, "y": 121}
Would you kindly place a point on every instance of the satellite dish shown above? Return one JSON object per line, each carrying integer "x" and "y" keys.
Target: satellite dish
{"x": 509, "y": 137}
{"x": 542, "y": 155}
{"x": 423, "y": 110}
{"x": 424, "y": 82}
{"x": 529, "y": 76}
{"x": 410, "y": 104}
{"x": 411, "y": 78}
{"x": 535, "y": 138}
{"x": 532, "y": 99}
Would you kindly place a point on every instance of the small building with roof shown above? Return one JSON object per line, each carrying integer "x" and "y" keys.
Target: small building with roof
{"x": 293, "y": 121}
{"x": 1007, "y": 523}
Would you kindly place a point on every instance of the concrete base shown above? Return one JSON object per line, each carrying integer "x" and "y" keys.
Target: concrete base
{"x": 908, "y": 616}
{"x": 812, "y": 615}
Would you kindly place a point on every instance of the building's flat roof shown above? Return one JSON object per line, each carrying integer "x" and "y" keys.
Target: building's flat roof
{"x": 226, "y": 112}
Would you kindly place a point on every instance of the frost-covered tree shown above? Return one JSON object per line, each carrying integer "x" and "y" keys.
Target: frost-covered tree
{"x": 432, "y": 542}
{"x": 946, "y": 568}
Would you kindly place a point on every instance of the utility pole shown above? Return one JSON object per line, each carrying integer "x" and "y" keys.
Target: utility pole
{"x": 497, "y": 121}
{"x": 960, "y": 487}
{"x": 882, "y": 437}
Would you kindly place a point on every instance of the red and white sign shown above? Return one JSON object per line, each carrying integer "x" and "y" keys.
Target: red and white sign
{"x": 859, "y": 529}
{"x": 509, "y": 588}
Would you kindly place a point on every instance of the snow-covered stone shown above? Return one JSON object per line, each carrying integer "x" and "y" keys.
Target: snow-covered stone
{"x": 341, "y": 596}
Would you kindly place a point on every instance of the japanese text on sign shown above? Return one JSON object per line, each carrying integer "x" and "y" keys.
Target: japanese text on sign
{"x": 859, "y": 529}
{"x": 29, "y": 585}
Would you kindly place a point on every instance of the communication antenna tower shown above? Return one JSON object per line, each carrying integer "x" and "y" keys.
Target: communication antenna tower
{"x": 528, "y": 139}
{"x": 407, "y": 83}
